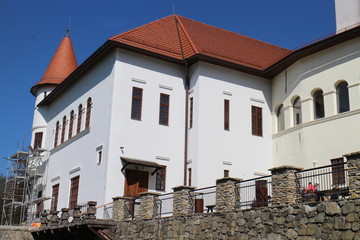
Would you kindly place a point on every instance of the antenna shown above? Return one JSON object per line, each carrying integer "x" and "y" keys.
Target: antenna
{"x": 68, "y": 30}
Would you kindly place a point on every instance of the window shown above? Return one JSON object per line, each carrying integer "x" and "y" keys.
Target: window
{"x": 88, "y": 113}
{"x": 280, "y": 118}
{"x": 256, "y": 121}
{"x": 74, "y": 190}
{"x": 71, "y": 124}
{"x": 191, "y": 112}
{"x": 319, "y": 104}
{"x": 337, "y": 168}
{"x": 226, "y": 114}
{"x": 99, "y": 159}
{"x": 79, "y": 119}
{"x": 56, "y": 133}
{"x": 55, "y": 197}
{"x": 342, "y": 92}
{"x": 136, "y": 104}
{"x": 164, "y": 109}
{"x": 226, "y": 173}
{"x": 160, "y": 179}
{"x": 189, "y": 176}
{"x": 297, "y": 111}
{"x": 38, "y": 140}
{"x": 63, "y": 129}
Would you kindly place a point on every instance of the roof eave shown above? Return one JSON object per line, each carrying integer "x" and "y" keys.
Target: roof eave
{"x": 326, "y": 43}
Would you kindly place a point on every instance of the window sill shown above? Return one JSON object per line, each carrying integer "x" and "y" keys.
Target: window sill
{"x": 69, "y": 141}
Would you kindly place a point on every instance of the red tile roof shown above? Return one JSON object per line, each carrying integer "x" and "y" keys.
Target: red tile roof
{"x": 62, "y": 64}
{"x": 162, "y": 37}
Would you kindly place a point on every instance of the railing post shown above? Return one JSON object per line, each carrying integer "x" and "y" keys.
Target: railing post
{"x": 183, "y": 200}
{"x": 148, "y": 205}
{"x": 120, "y": 208}
{"x": 353, "y": 162}
{"x": 284, "y": 185}
{"x": 227, "y": 194}
{"x": 91, "y": 210}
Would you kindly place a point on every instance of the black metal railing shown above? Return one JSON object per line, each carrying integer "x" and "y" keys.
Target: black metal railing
{"x": 255, "y": 192}
{"x": 322, "y": 183}
{"x": 205, "y": 199}
{"x": 165, "y": 203}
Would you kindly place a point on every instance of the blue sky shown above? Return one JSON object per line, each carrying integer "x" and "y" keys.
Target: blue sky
{"x": 32, "y": 30}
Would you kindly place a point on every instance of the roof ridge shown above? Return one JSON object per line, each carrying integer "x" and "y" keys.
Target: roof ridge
{"x": 192, "y": 44}
{"x": 222, "y": 29}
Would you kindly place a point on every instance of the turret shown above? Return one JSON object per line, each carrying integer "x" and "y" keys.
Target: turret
{"x": 347, "y": 14}
{"x": 61, "y": 66}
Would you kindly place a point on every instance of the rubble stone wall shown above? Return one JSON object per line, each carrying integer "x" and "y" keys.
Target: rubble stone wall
{"x": 327, "y": 220}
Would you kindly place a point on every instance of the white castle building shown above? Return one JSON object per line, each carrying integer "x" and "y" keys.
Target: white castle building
{"x": 178, "y": 102}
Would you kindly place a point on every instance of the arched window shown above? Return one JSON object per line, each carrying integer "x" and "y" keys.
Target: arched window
{"x": 78, "y": 127}
{"x": 319, "y": 104}
{"x": 63, "y": 129}
{"x": 88, "y": 113}
{"x": 280, "y": 118}
{"x": 342, "y": 92}
{"x": 71, "y": 123}
{"x": 56, "y": 133}
{"x": 297, "y": 111}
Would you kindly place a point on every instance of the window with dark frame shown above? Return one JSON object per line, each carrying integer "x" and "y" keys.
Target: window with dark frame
{"x": 88, "y": 113}
{"x": 256, "y": 115}
{"x": 63, "y": 129}
{"x": 297, "y": 111}
{"x": 136, "y": 103}
{"x": 319, "y": 104}
{"x": 161, "y": 179}
{"x": 38, "y": 140}
{"x": 99, "y": 157}
{"x": 79, "y": 119}
{"x": 74, "y": 190}
{"x": 338, "y": 174}
{"x": 226, "y": 114}
{"x": 71, "y": 124}
{"x": 191, "y": 112}
{"x": 226, "y": 173}
{"x": 164, "y": 109}
{"x": 342, "y": 92}
{"x": 56, "y": 134}
{"x": 55, "y": 197}
{"x": 189, "y": 176}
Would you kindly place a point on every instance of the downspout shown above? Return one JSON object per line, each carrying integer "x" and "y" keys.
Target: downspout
{"x": 187, "y": 83}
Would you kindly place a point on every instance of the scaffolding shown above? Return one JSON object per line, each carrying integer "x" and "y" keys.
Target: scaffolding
{"x": 23, "y": 191}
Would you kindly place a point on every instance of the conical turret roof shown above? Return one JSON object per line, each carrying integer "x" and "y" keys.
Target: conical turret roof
{"x": 61, "y": 66}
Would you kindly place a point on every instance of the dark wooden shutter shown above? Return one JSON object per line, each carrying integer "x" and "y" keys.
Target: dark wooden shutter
{"x": 79, "y": 119}
{"x": 226, "y": 114}
{"x": 38, "y": 140}
{"x": 261, "y": 193}
{"x": 136, "y": 104}
{"x": 55, "y": 197}
{"x": 88, "y": 113}
{"x": 74, "y": 190}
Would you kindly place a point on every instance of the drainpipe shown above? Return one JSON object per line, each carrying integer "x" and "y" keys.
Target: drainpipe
{"x": 187, "y": 84}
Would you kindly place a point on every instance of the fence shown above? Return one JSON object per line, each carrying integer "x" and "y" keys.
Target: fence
{"x": 323, "y": 183}
{"x": 106, "y": 210}
{"x": 255, "y": 192}
{"x": 205, "y": 199}
{"x": 165, "y": 205}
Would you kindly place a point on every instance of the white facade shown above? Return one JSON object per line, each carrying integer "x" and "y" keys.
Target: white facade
{"x": 315, "y": 141}
{"x": 347, "y": 15}
{"x": 113, "y": 144}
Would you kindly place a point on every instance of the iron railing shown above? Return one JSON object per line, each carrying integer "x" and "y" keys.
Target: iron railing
{"x": 255, "y": 192}
{"x": 205, "y": 199}
{"x": 323, "y": 183}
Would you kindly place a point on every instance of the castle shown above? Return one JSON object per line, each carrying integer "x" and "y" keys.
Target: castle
{"x": 179, "y": 102}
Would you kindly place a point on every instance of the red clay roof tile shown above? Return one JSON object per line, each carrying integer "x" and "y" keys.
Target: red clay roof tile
{"x": 162, "y": 37}
{"x": 61, "y": 66}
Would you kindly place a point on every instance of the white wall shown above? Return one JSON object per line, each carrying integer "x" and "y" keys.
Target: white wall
{"x": 77, "y": 156}
{"x": 347, "y": 13}
{"x": 145, "y": 139}
{"x": 213, "y": 149}
{"x": 320, "y": 140}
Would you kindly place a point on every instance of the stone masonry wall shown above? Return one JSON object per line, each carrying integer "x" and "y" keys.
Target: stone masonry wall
{"x": 15, "y": 233}
{"x": 327, "y": 220}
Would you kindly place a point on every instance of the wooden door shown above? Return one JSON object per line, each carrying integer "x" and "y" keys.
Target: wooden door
{"x": 261, "y": 193}
{"x": 135, "y": 182}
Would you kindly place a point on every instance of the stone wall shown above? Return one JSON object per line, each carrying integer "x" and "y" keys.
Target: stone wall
{"x": 327, "y": 220}
{"x": 15, "y": 233}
